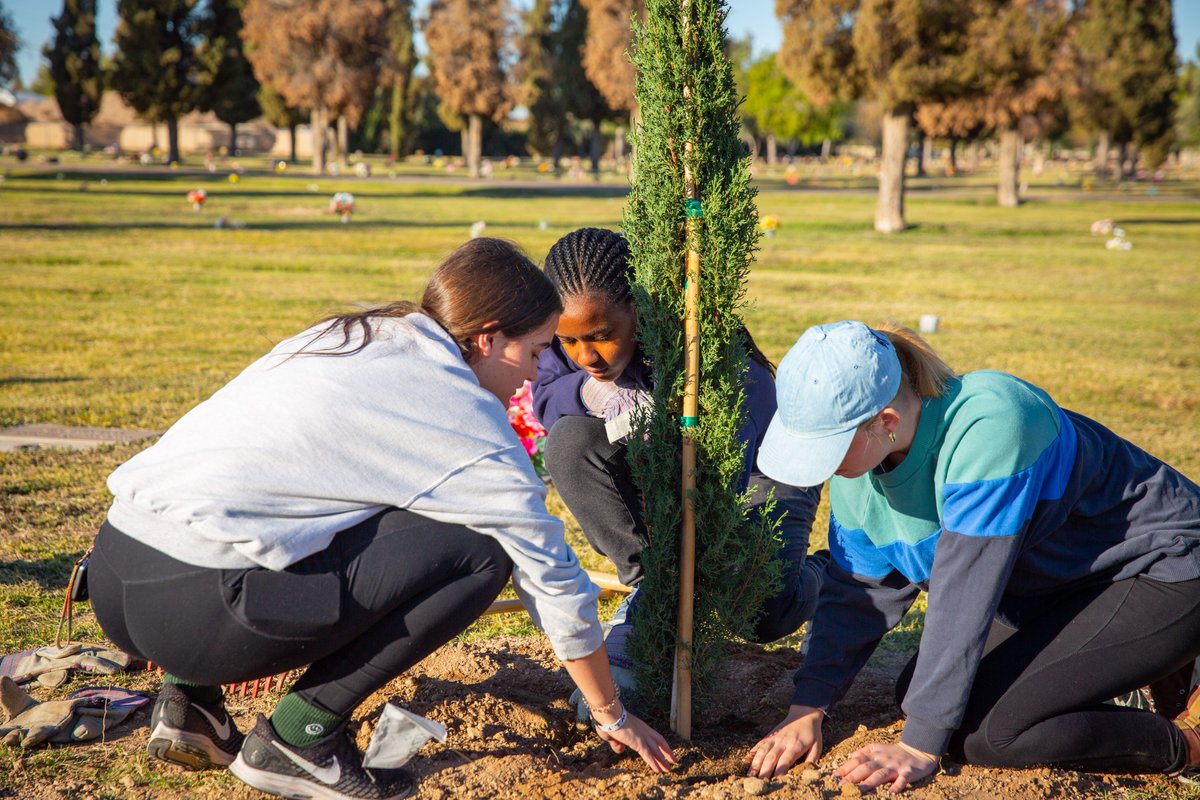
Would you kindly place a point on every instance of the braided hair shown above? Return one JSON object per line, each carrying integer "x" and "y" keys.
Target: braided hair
{"x": 591, "y": 260}
{"x": 596, "y": 260}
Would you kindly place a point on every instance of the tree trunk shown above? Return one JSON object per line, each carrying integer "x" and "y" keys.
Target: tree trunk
{"x": 973, "y": 156}
{"x": 474, "y": 143}
{"x": 318, "y": 140}
{"x": 233, "y": 151}
{"x": 1100, "y": 160}
{"x": 597, "y": 147}
{"x": 953, "y": 156}
{"x": 172, "y": 140}
{"x": 922, "y": 153}
{"x": 1009, "y": 166}
{"x": 464, "y": 137}
{"x": 79, "y": 137}
{"x": 343, "y": 139}
{"x": 772, "y": 150}
{"x": 557, "y": 153}
{"x": 826, "y": 149}
{"x": 889, "y": 211}
{"x": 335, "y": 148}
{"x": 398, "y": 119}
{"x": 292, "y": 133}
{"x": 619, "y": 144}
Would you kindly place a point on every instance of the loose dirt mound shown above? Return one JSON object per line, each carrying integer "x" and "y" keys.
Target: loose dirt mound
{"x": 513, "y": 735}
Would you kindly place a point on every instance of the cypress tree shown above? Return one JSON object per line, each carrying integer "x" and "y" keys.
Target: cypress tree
{"x": 229, "y": 88}
{"x": 155, "y": 65}
{"x": 75, "y": 67}
{"x": 401, "y": 63}
{"x": 10, "y": 43}
{"x": 539, "y": 73}
{"x": 689, "y": 116}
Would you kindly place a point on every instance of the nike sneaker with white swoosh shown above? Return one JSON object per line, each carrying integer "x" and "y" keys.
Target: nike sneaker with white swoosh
{"x": 329, "y": 769}
{"x": 189, "y": 734}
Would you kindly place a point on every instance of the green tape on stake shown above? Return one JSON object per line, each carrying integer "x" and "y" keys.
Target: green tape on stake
{"x": 689, "y": 422}
{"x": 692, "y": 208}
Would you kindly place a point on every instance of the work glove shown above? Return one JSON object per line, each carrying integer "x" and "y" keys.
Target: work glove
{"x": 51, "y": 666}
{"x": 79, "y": 718}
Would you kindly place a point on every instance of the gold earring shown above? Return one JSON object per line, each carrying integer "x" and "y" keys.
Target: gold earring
{"x": 892, "y": 437}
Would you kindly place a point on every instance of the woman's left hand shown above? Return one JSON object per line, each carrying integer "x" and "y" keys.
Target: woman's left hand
{"x": 877, "y": 764}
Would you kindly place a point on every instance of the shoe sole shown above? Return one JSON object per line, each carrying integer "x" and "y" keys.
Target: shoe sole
{"x": 293, "y": 787}
{"x": 192, "y": 751}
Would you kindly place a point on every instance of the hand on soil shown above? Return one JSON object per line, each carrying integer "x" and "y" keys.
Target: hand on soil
{"x": 877, "y": 764}
{"x": 646, "y": 742}
{"x": 797, "y": 737}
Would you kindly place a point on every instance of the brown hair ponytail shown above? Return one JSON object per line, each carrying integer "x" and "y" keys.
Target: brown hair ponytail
{"x": 923, "y": 368}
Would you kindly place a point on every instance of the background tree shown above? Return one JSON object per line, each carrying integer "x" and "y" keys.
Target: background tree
{"x": 281, "y": 115}
{"x": 73, "y": 58}
{"x": 154, "y": 68}
{"x": 9, "y": 45}
{"x": 400, "y": 64}
{"x": 228, "y": 86}
{"x": 1187, "y": 101}
{"x": 469, "y": 42}
{"x": 782, "y": 113}
{"x": 583, "y": 99}
{"x": 689, "y": 117}
{"x": 1123, "y": 91}
{"x": 538, "y": 74}
{"x": 900, "y": 54}
{"x": 606, "y": 63}
{"x": 323, "y": 55}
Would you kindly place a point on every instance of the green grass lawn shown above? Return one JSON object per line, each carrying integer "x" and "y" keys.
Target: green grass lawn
{"x": 121, "y": 306}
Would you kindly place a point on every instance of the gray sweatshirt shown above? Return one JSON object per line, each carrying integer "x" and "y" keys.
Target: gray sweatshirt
{"x": 299, "y": 447}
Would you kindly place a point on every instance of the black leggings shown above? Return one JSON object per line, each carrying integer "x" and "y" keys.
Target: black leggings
{"x": 381, "y": 597}
{"x": 1038, "y": 698}
{"x": 593, "y": 477}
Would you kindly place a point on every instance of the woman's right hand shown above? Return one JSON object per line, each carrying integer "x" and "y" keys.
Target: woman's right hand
{"x": 644, "y": 740}
{"x": 797, "y": 737}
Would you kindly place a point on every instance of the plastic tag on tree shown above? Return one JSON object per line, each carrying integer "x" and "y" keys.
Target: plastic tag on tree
{"x": 398, "y": 736}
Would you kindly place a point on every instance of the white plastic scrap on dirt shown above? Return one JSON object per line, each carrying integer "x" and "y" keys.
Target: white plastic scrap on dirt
{"x": 398, "y": 736}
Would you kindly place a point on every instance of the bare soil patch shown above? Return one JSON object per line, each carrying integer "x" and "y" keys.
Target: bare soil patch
{"x": 513, "y": 735}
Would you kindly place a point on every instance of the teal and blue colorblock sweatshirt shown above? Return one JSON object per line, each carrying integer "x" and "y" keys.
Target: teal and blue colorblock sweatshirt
{"x": 1003, "y": 497}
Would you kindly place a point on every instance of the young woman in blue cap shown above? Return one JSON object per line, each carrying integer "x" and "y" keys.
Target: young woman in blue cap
{"x": 1062, "y": 564}
{"x": 593, "y": 373}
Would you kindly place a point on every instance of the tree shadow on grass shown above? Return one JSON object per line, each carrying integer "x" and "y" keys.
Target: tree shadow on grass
{"x": 275, "y": 225}
{"x": 50, "y": 573}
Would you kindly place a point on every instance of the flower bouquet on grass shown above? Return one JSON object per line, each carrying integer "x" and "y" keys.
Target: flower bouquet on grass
{"x": 342, "y": 204}
{"x": 525, "y": 423}
{"x": 197, "y": 197}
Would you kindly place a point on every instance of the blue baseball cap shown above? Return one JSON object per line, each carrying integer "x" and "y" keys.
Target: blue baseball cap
{"x": 835, "y": 377}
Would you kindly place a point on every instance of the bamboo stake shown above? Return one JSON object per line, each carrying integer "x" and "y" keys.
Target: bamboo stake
{"x": 607, "y": 582}
{"x": 681, "y": 688}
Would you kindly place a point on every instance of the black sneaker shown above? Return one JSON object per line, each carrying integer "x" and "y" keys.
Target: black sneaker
{"x": 192, "y": 735}
{"x": 329, "y": 769}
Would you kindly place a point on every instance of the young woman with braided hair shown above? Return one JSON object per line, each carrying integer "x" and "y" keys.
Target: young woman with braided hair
{"x": 347, "y": 504}
{"x": 589, "y": 378}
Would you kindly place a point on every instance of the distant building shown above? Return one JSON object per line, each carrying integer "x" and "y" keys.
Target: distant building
{"x": 36, "y": 122}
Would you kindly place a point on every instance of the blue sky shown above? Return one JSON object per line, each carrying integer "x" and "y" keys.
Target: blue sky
{"x": 757, "y": 17}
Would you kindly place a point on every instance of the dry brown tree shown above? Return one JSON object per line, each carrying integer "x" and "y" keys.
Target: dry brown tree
{"x": 323, "y": 55}
{"x": 900, "y": 53}
{"x": 469, "y": 48}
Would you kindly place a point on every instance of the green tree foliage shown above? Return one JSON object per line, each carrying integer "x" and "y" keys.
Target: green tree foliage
{"x": 781, "y": 112}
{"x": 155, "y": 65}
{"x": 689, "y": 116}
{"x": 73, "y": 57}
{"x": 401, "y": 63}
{"x": 469, "y": 55}
{"x": 280, "y": 114}
{"x": 1187, "y": 99}
{"x": 9, "y": 45}
{"x": 228, "y": 87}
{"x": 901, "y": 54}
{"x": 1124, "y": 90}
{"x": 584, "y": 99}
{"x": 538, "y": 73}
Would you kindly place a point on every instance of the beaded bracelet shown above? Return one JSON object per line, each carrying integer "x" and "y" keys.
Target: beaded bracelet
{"x": 610, "y": 705}
{"x": 616, "y": 726}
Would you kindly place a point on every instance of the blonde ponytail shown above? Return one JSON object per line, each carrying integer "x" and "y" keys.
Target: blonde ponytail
{"x": 924, "y": 369}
